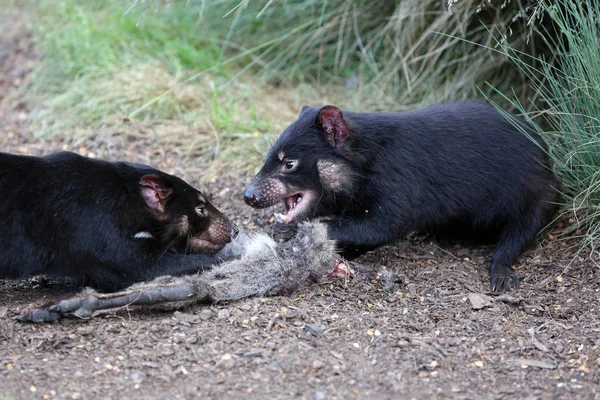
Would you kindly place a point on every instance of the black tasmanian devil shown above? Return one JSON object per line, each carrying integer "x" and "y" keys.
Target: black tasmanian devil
{"x": 459, "y": 169}
{"x": 105, "y": 224}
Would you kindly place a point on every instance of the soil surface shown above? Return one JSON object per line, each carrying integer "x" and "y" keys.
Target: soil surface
{"x": 438, "y": 333}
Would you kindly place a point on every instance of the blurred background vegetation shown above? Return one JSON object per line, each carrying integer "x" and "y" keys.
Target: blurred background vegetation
{"x": 218, "y": 80}
{"x": 199, "y": 74}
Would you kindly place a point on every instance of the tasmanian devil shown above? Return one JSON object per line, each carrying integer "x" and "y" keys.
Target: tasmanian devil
{"x": 458, "y": 169}
{"x": 105, "y": 224}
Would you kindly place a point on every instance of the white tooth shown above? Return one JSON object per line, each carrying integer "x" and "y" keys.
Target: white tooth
{"x": 280, "y": 217}
{"x": 299, "y": 199}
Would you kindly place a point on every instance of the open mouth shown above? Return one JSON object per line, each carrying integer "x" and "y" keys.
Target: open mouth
{"x": 295, "y": 206}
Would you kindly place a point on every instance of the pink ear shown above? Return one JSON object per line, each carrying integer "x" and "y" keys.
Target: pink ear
{"x": 154, "y": 192}
{"x": 332, "y": 121}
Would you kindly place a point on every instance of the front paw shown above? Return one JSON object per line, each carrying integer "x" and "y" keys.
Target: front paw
{"x": 504, "y": 280}
{"x": 284, "y": 232}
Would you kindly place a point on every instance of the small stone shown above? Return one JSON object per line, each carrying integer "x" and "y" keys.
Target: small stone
{"x": 317, "y": 364}
{"x": 319, "y": 396}
{"x": 223, "y": 313}
{"x": 315, "y": 330}
{"x": 412, "y": 289}
{"x": 226, "y": 363}
{"x": 479, "y": 301}
{"x": 205, "y": 314}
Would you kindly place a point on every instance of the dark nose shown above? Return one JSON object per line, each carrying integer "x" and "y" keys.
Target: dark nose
{"x": 234, "y": 231}
{"x": 250, "y": 197}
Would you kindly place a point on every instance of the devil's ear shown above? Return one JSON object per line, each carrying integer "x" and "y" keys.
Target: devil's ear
{"x": 330, "y": 118}
{"x": 304, "y": 108}
{"x": 154, "y": 192}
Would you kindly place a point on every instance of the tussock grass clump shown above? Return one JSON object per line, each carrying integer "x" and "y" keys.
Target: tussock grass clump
{"x": 362, "y": 54}
{"x": 388, "y": 54}
{"x": 569, "y": 89}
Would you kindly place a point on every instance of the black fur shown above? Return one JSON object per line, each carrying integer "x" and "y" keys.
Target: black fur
{"x": 459, "y": 169}
{"x": 68, "y": 215}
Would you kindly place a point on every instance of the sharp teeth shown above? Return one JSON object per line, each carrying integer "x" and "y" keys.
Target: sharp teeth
{"x": 279, "y": 217}
{"x": 298, "y": 199}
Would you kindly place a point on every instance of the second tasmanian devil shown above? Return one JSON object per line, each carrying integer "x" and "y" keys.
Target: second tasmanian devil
{"x": 104, "y": 224}
{"x": 459, "y": 169}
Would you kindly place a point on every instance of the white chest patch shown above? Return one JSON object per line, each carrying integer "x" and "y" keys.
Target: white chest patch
{"x": 143, "y": 235}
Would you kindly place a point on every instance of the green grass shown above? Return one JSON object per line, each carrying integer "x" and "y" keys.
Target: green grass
{"x": 98, "y": 63}
{"x": 570, "y": 108}
{"x": 386, "y": 53}
{"x": 79, "y": 36}
{"x": 101, "y": 62}
{"x": 168, "y": 61}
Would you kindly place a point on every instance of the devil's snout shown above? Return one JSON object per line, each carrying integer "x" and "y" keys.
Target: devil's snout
{"x": 264, "y": 192}
{"x": 251, "y": 197}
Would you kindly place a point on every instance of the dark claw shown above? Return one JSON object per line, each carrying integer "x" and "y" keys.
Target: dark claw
{"x": 505, "y": 280}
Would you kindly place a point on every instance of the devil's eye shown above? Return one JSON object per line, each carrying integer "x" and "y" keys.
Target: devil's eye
{"x": 201, "y": 210}
{"x": 289, "y": 164}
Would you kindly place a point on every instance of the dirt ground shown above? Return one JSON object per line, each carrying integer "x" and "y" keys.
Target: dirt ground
{"x": 436, "y": 334}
